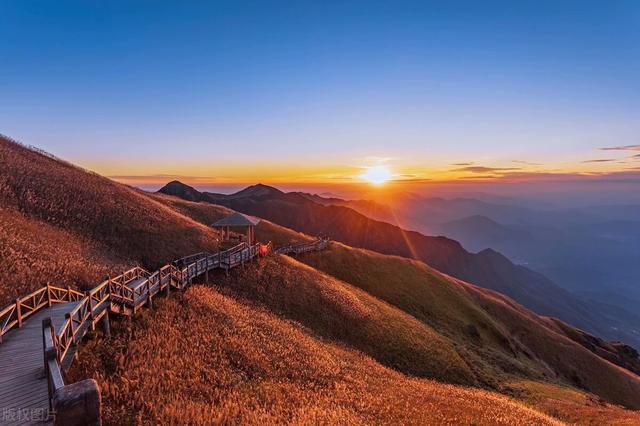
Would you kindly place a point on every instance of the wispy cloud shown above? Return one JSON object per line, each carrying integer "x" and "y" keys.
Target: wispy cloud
{"x": 621, "y": 148}
{"x": 462, "y": 164}
{"x": 483, "y": 169}
{"x": 413, "y": 180}
{"x": 600, "y": 160}
{"x": 630, "y": 175}
{"x": 526, "y": 163}
{"x": 160, "y": 177}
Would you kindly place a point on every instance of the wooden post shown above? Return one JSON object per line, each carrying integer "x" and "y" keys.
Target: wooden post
{"x": 88, "y": 295}
{"x": 78, "y": 404}
{"x": 206, "y": 275}
{"x": 106, "y": 328}
{"x": 67, "y": 317}
{"x": 149, "y": 296}
{"x": 18, "y": 313}
{"x": 48, "y": 294}
{"x": 46, "y": 324}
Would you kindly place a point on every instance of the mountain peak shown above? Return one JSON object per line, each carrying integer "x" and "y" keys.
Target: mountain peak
{"x": 257, "y": 190}
{"x": 179, "y": 189}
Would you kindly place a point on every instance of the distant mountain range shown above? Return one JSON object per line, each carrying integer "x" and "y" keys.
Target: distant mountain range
{"x": 488, "y": 268}
{"x": 591, "y": 251}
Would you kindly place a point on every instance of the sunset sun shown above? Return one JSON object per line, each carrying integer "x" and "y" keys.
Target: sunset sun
{"x": 376, "y": 175}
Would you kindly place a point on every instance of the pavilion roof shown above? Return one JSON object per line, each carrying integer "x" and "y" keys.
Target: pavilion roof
{"x": 237, "y": 219}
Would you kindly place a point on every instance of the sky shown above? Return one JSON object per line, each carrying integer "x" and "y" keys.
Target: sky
{"x": 224, "y": 93}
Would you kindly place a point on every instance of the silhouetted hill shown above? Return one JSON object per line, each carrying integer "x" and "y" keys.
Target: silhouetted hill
{"x": 488, "y": 268}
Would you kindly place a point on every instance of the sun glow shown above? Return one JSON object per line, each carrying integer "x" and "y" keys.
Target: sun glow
{"x": 376, "y": 175}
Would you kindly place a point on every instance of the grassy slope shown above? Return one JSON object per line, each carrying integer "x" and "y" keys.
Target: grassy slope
{"x": 494, "y": 330}
{"x": 570, "y": 405}
{"x": 487, "y": 341}
{"x": 34, "y": 252}
{"x": 575, "y": 364}
{"x": 210, "y": 359}
{"x": 343, "y": 313}
{"x": 79, "y": 225}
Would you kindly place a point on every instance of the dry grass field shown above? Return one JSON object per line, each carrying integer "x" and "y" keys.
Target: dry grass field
{"x": 34, "y": 252}
{"x": 570, "y": 405}
{"x": 340, "y": 312}
{"x": 72, "y": 227}
{"x": 207, "y": 358}
{"x": 494, "y": 334}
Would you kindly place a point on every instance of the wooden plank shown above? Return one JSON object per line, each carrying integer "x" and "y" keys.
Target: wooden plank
{"x": 22, "y": 384}
{"x": 21, "y": 350}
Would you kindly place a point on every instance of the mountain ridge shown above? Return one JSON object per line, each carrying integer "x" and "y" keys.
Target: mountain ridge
{"x": 488, "y": 269}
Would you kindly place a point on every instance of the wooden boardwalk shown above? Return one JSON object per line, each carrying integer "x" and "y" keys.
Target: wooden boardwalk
{"x": 33, "y": 357}
{"x": 24, "y": 396}
{"x": 316, "y": 245}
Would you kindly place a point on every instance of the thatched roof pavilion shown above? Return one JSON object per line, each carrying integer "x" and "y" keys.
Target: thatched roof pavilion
{"x": 237, "y": 220}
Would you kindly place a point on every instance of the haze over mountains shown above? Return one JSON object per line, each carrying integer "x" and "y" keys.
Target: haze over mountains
{"x": 488, "y": 268}
{"x": 591, "y": 250}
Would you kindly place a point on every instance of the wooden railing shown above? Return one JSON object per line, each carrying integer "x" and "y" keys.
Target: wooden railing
{"x": 122, "y": 295}
{"x": 133, "y": 289}
{"x": 15, "y": 314}
{"x": 316, "y": 245}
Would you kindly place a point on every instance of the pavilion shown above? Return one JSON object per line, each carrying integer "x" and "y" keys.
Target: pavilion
{"x": 237, "y": 220}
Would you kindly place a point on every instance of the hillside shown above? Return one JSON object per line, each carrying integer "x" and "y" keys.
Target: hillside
{"x": 472, "y": 319}
{"x": 238, "y": 354}
{"x": 497, "y": 337}
{"x": 377, "y": 339}
{"x": 488, "y": 268}
{"x": 252, "y": 367}
{"x": 591, "y": 251}
{"x": 72, "y": 227}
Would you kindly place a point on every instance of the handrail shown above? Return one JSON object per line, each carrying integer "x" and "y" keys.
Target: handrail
{"x": 16, "y": 313}
{"x": 315, "y": 245}
{"x": 116, "y": 296}
{"x": 117, "y": 291}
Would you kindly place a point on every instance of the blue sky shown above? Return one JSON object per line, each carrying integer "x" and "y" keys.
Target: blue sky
{"x": 201, "y": 88}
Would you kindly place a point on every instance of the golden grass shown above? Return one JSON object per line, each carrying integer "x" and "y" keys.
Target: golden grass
{"x": 573, "y": 363}
{"x": 343, "y": 313}
{"x": 72, "y": 227}
{"x": 571, "y": 405}
{"x": 502, "y": 338}
{"x": 209, "y": 359}
{"x": 33, "y": 253}
{"x": 121, "y": 218}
